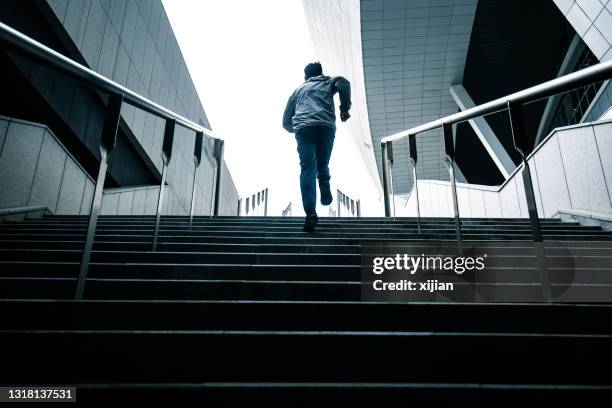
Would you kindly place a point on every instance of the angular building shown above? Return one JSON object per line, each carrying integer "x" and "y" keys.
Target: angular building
{"x": 51, "y": 125}
{"x": 421, "y": 60}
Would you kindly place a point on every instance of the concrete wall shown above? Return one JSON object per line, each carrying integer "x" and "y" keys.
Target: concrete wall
{"x": 140, "y": 200}
{"x": 36, "y": 170}
{"x": 571, "y": 170}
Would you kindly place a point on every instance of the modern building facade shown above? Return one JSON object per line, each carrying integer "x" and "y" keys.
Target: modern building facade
{"x": 421, "y": 60}
{"x": 51, "y": 125}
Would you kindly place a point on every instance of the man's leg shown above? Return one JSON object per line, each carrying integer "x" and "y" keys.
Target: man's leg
{"x": 324, "y": 149}
{"x": 307, "y": 150}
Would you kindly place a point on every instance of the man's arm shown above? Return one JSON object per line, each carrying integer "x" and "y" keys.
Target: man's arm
{"x": 343, "y": 87}
{"x": 289, "y": 112}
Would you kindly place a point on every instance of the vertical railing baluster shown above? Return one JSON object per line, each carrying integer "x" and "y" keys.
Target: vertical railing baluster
{"x": 213, "y": 188}
{"x": 219, "y": 148}
{"x": 449, "y": 148}
{"x": 523, "y": 147}
{"x": 386, "y": 177}
{"x": 413, "y": 160}
{"x": 166, "y": 156}
{"x": 197, "y": 158}
{"x": 107, "y": 145}
{"x": 392, "y": 187}
{"x": 266, "y": 203}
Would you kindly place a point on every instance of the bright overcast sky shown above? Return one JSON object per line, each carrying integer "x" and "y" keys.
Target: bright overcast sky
{"x": 245, "y": 58}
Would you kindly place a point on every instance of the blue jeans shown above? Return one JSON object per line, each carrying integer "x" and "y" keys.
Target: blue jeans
{"x": 314, "y": 145}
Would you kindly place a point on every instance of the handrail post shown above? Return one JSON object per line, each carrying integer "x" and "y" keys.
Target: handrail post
{"x": 219, "y": 148}
{"x": 238, "y": 210}
{"x": 213, "y": 188}
{"x": 166, "y": 156}
{"x": 413, "y": 161}
{"x": 266, "y": 203}
{"x": 523, "y": 147}
{"x": 107, "y": 145}
{"x": 386, "y": 177}
{"x": 390, "y": 158}
{"x": 449, "y": 148}
{"x": 197, "y": 158}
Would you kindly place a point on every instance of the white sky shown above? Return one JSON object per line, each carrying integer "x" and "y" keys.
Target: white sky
{"x": 245, "y": 58}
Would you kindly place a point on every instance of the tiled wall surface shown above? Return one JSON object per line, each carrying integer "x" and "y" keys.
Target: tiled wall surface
{"x": 36, "y": 170}
{"x": 131, "y": 42}
{"x": 592, "y": 20}
{"x": 572, "y": 170}
{"x": 412, "y": 52}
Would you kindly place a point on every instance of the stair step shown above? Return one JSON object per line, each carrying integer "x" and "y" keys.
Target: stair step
{"x": 322, "y": 228}
{"x": 198, "y": 289}
{"x": 292, "y": 218}
{"x": 183, "y": 271}
{"x": 305, "y": 316}
{"x": 309, "y": 394}
{"x": 133, "y": 243}
{"x": 322, "y": 273}
{"x": 386, "y": 236}
{"x": 296, "y": 356}
{"x": 304, "y": 240}
{"x": 494, "y": 258}
{"x": 280, "y": 224}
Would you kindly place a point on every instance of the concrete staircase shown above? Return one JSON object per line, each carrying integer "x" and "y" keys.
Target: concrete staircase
{"x": 244, "y": 309}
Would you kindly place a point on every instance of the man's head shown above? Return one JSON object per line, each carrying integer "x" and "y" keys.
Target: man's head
{"x": 313, "y": 69}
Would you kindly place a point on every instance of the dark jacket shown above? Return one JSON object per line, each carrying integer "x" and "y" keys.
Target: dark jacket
{"x": 312, "y": 103}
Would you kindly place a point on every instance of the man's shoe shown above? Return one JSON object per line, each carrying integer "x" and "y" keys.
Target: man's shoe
{"x": 311, "y": 222}
{"x": 326, "y": 195}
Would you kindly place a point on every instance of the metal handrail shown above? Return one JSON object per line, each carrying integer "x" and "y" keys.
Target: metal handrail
{"x": 287, "y": 211}
{"x": 513, "y": 103}
{"x": 32, "y": 48}
{"x": 586, "y": 76}
{"x": 16, "y": 41}
{"x": 254, "y": 201}
{"x": 352, "y": 206}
